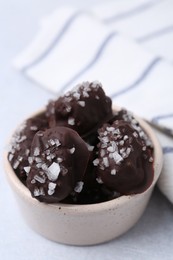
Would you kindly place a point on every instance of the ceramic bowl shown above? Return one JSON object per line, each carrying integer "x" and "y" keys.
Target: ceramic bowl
{"x": 85, "y": 224}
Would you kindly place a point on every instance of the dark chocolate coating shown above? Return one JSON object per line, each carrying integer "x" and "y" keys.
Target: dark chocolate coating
{"x": 83, "y": 109}
{"x": 59, "y": 160}
{"x": 21, "y": 144}
{"x": 62, "y": 156}
{"x": 124, "y": 162}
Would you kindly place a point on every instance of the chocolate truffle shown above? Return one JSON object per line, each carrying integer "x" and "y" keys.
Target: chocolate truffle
{"x": 58, "y": 161}
{"x": 21, "y": 143}
{"x": 83, "y": 109}
{"x": 124, "y": 162}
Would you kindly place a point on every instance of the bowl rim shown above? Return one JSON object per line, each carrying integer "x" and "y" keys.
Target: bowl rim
{"x": 23, "y": 191}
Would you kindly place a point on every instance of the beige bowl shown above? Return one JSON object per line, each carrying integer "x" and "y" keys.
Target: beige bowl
{"x": 85, "y": 224}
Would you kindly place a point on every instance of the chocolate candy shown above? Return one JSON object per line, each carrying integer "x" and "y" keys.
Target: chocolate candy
{"x": 83, "y": 109}
{"x": 21, "y": 143}
{"x": 59, "y": 158}
{"x": 124, "y": 162}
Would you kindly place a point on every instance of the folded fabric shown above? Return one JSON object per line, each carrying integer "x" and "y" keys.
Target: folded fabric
{"x": 78, "y": 45}
{"x": 149, "y": 22}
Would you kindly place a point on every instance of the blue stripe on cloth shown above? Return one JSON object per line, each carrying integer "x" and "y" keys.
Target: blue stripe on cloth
{"x": 160, "y": 117}
{"x": 139, "y": 80}
{"x": 129, "y": 13}
{"x": 156, "y": 34}
{"x": 92, "y": 62}
{"x": 56, "y": 40}
{"x": 167, "y": 149}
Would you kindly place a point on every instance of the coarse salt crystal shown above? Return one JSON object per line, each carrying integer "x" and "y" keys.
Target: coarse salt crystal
{"x": 27, "y": 169}
{"x": 10, "y": 157}
{"x": 122, "y": 150}
{"x": 68, "y": 109}
{"x": 76, "y": 95}
{"x": 105, "y": 139}
{"x": 72, "y": 150}
{"x": 96, "y": 162}
{"x": 126, "y": 137}
{"x": 135, "y": 134}
{"x": 36, "y": 151}
{"x": 110, "y": 129}
{"x": 30, "y": 160}
{"x": 38, "y": 160}
{"x": 121, "y": 142}
{"x": 150, "y": 159}
{"x": 36, "y": 192}
{"x": 57, "y": 142}
{"x": 51, "y": 188}
{"x": 105, "y": 161}
{"x": 117, "y": 157}
{"x": 71, "y": 121}
{"x": 102, "y": 153}
{"x": 96, "y": 83}
{"x": 49, "y": 158}
{"x": 116, "y": 131}
{"x": 85, "y": 94}
{"x": 44, "y": 167}
{"x": 144, "y": 148}
{"x": 39, "y": 165}
{"x": 128, "y": 150}
{"x": 81, "y": 103}
{"x": 42, "y": 191}
{"x": 59, "y": 160}
{"x": 39, "y": 179}
{"x": 79, "y": 186}
{"x": 34, "y": 128}
{"x": 16, "y": 164}
{"x": 99, "y": 180}
{"x": 90, "y": 147}
{"x": 105, "y": 133}
{"x": 40, "y": 134}
{"x": 21, "y": 139}
{"x": 110, "y": 149}
{"x": 27, "y": 152}
{"x": 113, "y": 172}
{"x": 110, "y": 155}
{"x": 53, "y": 171}
{"x": 52, "y": 142}
{"x": 52, "y": 155}
{"x": 47, "y": 152}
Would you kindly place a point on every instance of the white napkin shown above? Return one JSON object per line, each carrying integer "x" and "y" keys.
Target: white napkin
{"x": 78, "y": 45}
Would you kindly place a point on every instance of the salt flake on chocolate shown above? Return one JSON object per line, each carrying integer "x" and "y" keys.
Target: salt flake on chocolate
{"x": 53, "y": 171}
{"x": 117, "y": 157}
{"x": 27, "y": 169}
{"x": 51, "y": 188}
{"x": 79, "y": 186}
{"x": 72, "y": 150}
{"x": 81, "y": 103}
{"x": 71, "y": 121}
{"x": 36, "y": 151}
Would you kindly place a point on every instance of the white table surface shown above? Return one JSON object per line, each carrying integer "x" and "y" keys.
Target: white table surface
{"x": 151, "y": 238}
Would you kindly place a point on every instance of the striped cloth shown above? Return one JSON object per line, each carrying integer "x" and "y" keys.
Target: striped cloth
{"x": 127, "y": 45}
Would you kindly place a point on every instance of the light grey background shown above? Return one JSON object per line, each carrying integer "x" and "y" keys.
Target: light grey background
{"x": 151, "y": 238}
